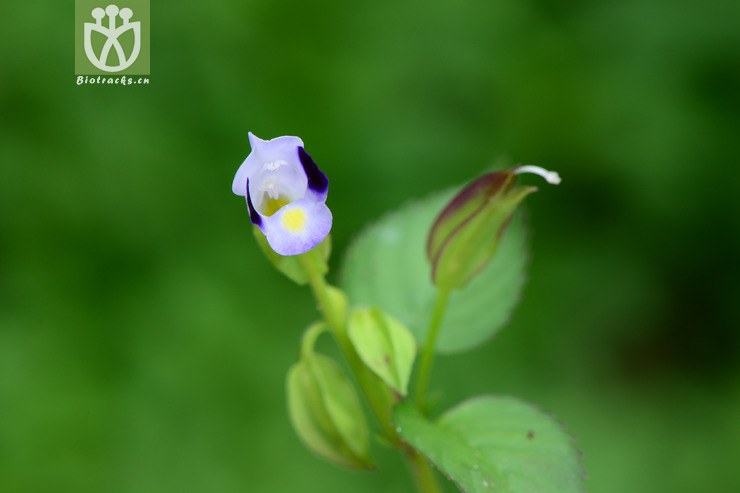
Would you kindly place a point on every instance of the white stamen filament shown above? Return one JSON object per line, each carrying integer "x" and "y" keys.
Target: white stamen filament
{"x": 552, "y": 177}
{"x": 269, "y": 187}
{"x": 273, "y": 166}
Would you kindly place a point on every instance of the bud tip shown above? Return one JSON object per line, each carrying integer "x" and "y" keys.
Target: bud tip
{"x": 551, "y": 177}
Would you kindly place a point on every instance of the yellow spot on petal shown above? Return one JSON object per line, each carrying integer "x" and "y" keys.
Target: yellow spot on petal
{"x": 273, "y": 205}
{"x": 294, "y": 220}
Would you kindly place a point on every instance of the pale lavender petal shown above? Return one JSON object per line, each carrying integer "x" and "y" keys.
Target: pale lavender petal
{"x": 239, "y": 186}
{"x": 275, "y": 149}
{"x": 265, "y": 152}
{"x": 297, "y": 227}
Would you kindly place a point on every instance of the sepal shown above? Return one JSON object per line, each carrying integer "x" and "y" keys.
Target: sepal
{"x": 291, "y": 266}
{"x": 324, "y": 408}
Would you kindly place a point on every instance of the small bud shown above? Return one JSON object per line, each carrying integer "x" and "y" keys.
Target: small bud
{"x": 385, "y": 345}
{"x": 467, "y": 232}
{"x": 325, "y": 409}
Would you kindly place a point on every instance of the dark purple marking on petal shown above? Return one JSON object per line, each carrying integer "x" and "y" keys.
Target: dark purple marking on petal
{"x": 253, "y": 215}
{"x": 317, "y": 180}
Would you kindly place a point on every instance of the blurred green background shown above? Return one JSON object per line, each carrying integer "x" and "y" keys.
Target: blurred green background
{"x": 144, "y": 340}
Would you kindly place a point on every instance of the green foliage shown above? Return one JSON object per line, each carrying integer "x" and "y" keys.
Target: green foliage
{"x": 385, "y": 266}
{"x": 144, "y": 339}
{"x": 385, "y": 345}
{"x": 291, "y": 266}
{"x": 496, "y": 444}
{"x": 324, "y": 408}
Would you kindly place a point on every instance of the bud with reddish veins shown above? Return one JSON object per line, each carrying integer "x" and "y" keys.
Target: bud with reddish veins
{"x": 466, "y": 234}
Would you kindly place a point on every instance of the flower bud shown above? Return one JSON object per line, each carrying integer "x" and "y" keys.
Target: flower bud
{"x": 467, "y": 232}
{"x": 385, "y": 345}
{"x": 325, "y": 409}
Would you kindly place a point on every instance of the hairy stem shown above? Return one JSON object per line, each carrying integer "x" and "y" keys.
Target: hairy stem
{"x": 427, "y": 359}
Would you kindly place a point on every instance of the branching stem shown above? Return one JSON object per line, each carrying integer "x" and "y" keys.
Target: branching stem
{"x": 378, "y": 396}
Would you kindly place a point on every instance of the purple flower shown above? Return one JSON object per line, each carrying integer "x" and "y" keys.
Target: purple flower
{"x": 286, "y": 194}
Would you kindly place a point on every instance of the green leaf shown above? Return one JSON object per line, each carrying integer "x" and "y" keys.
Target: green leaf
{"x": 290, "y": 266}
{"x": 326, "y": 412}
{"x": 386, "y": 266}
{"x": 496, "y": 444}
{"x": 384, "y": 345}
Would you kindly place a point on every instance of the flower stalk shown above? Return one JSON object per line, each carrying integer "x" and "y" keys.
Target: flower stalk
{"x": 378, "y": 397}
{"x": 427, "y": 358}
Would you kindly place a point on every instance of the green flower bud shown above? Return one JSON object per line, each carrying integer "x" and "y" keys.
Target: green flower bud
{"x": 467, "y": 232}
{"x": 385, "y": 345}
{"x": 325, "y": 409}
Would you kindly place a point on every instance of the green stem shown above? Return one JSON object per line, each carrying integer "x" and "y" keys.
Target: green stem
{"x": 424, "y": 476}
{"x": 379, "y": 398}
{"x": 425, "y": 368}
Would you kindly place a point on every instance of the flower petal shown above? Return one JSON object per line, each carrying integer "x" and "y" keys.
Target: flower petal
{"x": 318, "y": 183}
{"x": 274, "y": 149}
{"x": 239, "y": 186}
{"x": 265, "y": 152}
{"x": 297, "y": 227}
{"x": 253, "y": 214}
{"x": 277, "y": 180}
